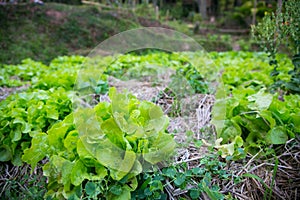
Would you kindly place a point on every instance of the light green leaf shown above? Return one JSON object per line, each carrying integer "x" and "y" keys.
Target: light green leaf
{"x": 101, "y": 172}
{"x": 155, "y": 126}
{"x": 37, "y": 151}
{"x": 136, "y": 169}
{"x": 125, "y": 166}
{"x": 228, "y": 149}
{"x": 66, "y": 173}
{"x": 278, "y": 135}
{"x": 119, "y": 102}
{"x": 155, "y": 112}
{"x": 58, "y": 132}
{"x": 111, "y": 156}
{"x": 267, "y": 115}
{"x": 16, "y": 135}
{"x": 54, "y": 168}
{"x": 279, "y": 108}
{"x": 70, "y": 141}
{"x": 103, "y": 110}
{"x": 52, "y": 113}
{"x": 218, "y": 115}
{"x": 123, "y": 124}
{"x": 135, "y": 114}
{"x": 85, "y": 155}
{"x": 261, "y": 100}
{"x": 144, "y": 109}
{"x": 88, "y": 125}
{"x": 159, "y": 149}
{"x": 78, "y": 173}
{"x": 25, "y": 128}
{"x": 113, "y": 133}
{"x": 232, "y": 129}
{"x": 295, "y": 119}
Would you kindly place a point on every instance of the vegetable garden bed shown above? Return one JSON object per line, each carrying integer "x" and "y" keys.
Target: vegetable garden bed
{"x": 257, "y": 158}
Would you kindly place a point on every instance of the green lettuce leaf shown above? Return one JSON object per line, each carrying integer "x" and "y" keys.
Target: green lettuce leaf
{"x": 78, "y": 173}
{"x": 38, "y": 150}
{"x": 159, "y": 149}
{"x": 261, "y": 100}
{"x": 278, "y": 135}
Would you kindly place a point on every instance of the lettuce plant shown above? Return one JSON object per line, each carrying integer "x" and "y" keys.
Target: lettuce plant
{"x": 259, "y": 118}
{"x": 24, "y": 115}
{"x": 109, "y": 144}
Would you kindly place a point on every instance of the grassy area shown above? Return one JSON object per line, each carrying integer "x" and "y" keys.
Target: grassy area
{"x": 45, "y": 32}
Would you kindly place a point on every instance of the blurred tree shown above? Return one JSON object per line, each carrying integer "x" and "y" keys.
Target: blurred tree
{"x": 202, "y": 5}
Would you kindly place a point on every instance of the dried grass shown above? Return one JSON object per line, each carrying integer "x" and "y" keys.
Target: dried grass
{"x": 18, "y": 180}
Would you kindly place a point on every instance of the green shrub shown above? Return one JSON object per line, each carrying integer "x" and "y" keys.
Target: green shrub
{"x": 275, "y": 29}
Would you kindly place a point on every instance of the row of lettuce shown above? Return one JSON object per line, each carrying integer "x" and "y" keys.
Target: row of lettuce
{"x": 260, "y": 118}
{"x": 38, "y": 122}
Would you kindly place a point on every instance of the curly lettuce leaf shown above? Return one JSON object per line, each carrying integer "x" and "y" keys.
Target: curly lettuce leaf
{"x": 38, "y": 150}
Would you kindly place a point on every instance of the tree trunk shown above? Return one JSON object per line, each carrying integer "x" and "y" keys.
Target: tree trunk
{"x": 279, "y": 5}
{"x": 226, "y": 5}
{"x": 154, "y": 3}
{"x": 254, "y": 12}
{"x": 202, "y": 8}
{"x": 215, "y": 7}
{"x": 237, "y": 3}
